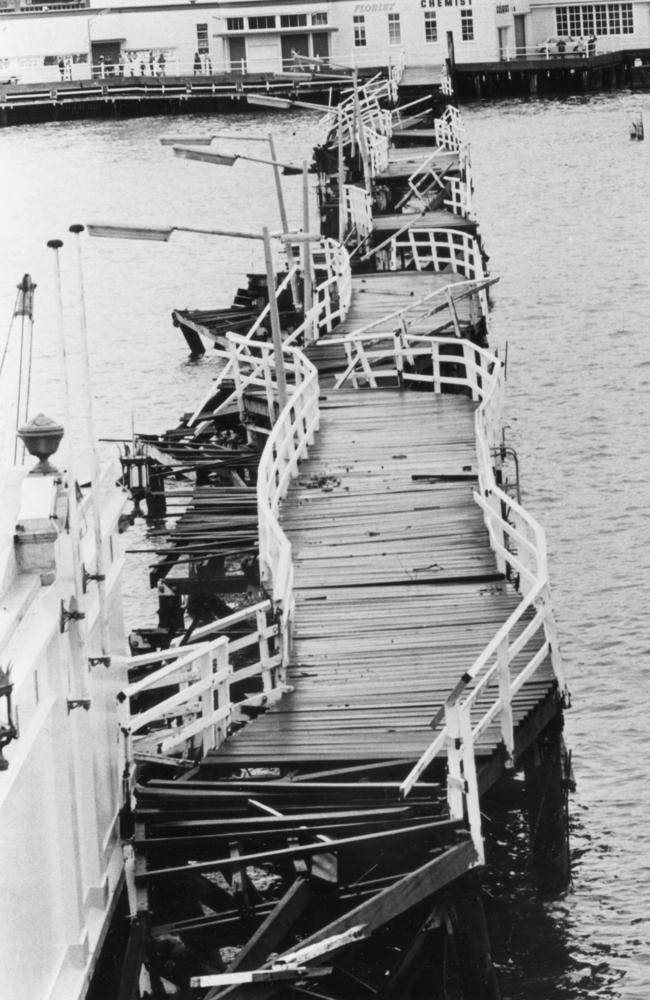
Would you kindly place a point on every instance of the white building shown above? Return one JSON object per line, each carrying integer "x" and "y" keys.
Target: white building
{"x": 248, "y": 36}
{"x": 61, "y": 37}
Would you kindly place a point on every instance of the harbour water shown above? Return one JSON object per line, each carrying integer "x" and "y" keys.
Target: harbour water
{"x": 565, "y": 212}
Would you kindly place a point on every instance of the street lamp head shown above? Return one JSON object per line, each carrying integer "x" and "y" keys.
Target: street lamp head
{"x": 194, "y": 140}
{"x": 221, "y": 159}
{"x": 115, "y": 231}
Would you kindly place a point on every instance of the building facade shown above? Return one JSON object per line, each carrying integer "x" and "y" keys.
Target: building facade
{"x": 66, "y": 37}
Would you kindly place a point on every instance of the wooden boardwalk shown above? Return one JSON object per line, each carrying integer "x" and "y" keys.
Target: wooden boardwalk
{"x": 396, "y": 587}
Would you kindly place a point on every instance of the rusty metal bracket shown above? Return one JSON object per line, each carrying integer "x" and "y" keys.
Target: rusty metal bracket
{"x": 86, "y": 578}
{"x": 78, "y": 703}
{"x": 97, "y": 661}
{"x": 8, "y": 730}
{"x": 68, "y": 616}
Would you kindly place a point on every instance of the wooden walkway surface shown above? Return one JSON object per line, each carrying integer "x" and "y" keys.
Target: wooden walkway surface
{"x": 438, "y": 219}
{"x": 396, "y": 587}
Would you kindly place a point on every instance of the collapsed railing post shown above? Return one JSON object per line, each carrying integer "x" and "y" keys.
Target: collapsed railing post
{"x": 471, "y": 783}
{"x": 206, "y": 701}
{"x": 275, "y": 322}
{"x": 224, "y": 669}
{"x": 505, "y": 696}
{"x": 455, "y": 784}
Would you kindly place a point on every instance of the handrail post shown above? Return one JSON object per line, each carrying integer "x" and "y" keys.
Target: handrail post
{"x": 505, "y": 696}
{"x": 455, "y": 784}
{"x": 275, "y": 322}
{"x": 126, "y": 747}
{"x": 471, "y": 783}
{"x": 206, "y": 700}
{"x": 239, "y": 389}
{"x": 222, "y": 663}
{"x": 265, "y": 657}
{"x": 308, "y": 295}
{"x": 341, "y": 177}
{"x": 295, "y": 295}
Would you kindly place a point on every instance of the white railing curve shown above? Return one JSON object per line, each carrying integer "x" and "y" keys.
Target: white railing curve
{"x": 520, "y": 548}
{"x": 191, "y": 687}
{"x": 288, "y": 443}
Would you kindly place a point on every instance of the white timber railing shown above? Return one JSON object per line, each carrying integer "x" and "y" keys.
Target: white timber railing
{"x": 427, "y": 179}
{"x": 288, "y": 443}
{"x": 331, "y": 296}
{"x": 257, "y": 332}
{"x": 528, "y": 637}
{"x": 402, "y": 120}
{"x": 189, "y": 689}
{"x": 450, "y": 130}
{"x": 378, "y": 146}
{"x": 396, "y": 69}
{"x": 484, "y": 694}
{"x": 445, "y": 81}
{"x": 439, "y": 250}
{"x": 358, "y": 210}
{"x": 373, "y": 337}
{"x": 459, "y": 198}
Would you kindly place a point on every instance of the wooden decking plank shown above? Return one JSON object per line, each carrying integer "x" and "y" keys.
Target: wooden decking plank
{"x": 383, "y": 502}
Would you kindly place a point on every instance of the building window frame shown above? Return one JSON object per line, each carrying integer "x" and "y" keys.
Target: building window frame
{"x": 430, "y": 27}
{"x": 394, "y": 29}
{"x": 202, "y": 39}
{"x": 467, "y": 25}
{"x": 262, "y": 22}
{"x": 359, "y": 27}
{"x": 597, "y": 19}
{"x": 293, "y": 20}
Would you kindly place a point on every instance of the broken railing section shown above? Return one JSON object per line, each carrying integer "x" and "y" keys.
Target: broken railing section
{"x": 197, "y": 689}
{"x": 249, "y": 362}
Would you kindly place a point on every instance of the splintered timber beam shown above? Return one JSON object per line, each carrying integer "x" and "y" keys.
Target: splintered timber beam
{"x": 298, "y": 851}
{"x": 272, "y": 930}
{"x": 391, "y": 902}
{"x": 295, "y": 961}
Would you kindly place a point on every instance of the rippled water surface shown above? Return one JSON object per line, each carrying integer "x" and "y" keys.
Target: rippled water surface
{"x": 565, "y": 211}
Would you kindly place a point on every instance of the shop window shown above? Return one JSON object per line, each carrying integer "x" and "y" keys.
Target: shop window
{"x": 202, "y": 40}
{"x": 261, "y": 23}
{"x": 430, "y": 26}
{"x": 588, "y": 19}
{"x": 627, "y": 19}
{"x": 293, "y": 20}
{"x": 614, "y": 11}
{"x": 467, "y": 25}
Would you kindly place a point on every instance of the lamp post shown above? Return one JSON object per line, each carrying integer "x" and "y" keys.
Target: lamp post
{"x": 163, "y": 233}
{"x": 229, "y": 160}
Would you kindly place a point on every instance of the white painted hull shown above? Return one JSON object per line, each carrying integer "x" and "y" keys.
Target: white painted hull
{"x": 60, "y": 855}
